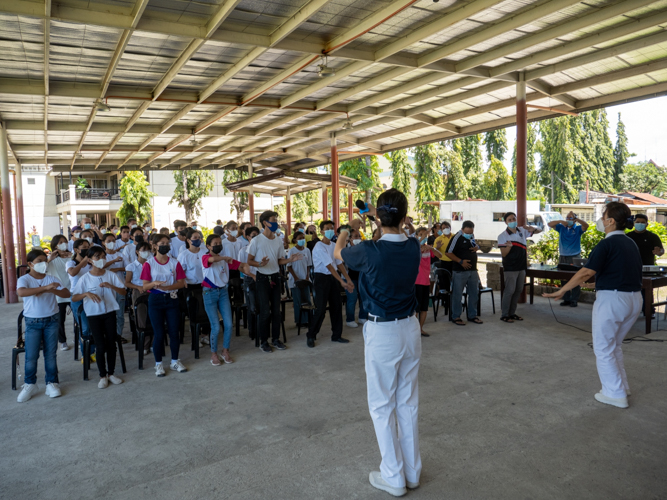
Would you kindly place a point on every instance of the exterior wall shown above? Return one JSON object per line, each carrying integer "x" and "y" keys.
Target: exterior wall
{"x": 39, "y": 202}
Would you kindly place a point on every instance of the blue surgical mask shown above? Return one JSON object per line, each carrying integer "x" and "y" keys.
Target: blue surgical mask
{"x": 570, "y": 223}
{"x": 301, "y": 230}
{"x": 467, "y": 236}
{"x": 86, "y": 225}
{"x": 196, "y": 243}
{"x": 329, "y": 233}
{"x": 273, "y": 226}
{"x": 423, "y": 242}
{"x": 511, "y": 225}
{"x": 439, "y": 232}
{"x": 301, "y": 243}
{"x": 640, "y": 226}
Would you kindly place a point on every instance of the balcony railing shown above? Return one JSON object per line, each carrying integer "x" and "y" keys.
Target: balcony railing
{"x": 89, "y": 194}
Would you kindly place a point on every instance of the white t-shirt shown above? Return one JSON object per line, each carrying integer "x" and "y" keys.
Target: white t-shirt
{"x": 118, "y": 265}
{"x": 323, "y": 255}
{"x": 243, "y": 241}
{"x": 231, "y": 249}
{"x": 70, "y": 245}
{"x": 58, "y": 269}
{"x": 191, "y": 264}
{"x": 216, "y": 274}
{"x": 129, "y": 253}
{"x": 243, "y": 257}
{"x": 261, "y": 247}
{"x": 135, "y": 268}
{"x": 90, "y": 283}
{"x": 38, "y": 306}
{"x": 177, "y": 246}
{"x": 120, "y": 244}
{"x": 74, "y": 279}
{"x": 300, "y": 267}
{"x": 520, "y": 236}
{"x": 169, "y": 272}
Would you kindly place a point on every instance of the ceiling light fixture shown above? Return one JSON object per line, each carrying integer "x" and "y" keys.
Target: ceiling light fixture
{"x": 325, "y": 71}
{"x": 194, "y": 141}
{"x": 102, "y": 106}
{"x": 348, "y": 124}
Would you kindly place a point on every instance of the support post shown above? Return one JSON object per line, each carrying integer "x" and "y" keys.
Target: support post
{"x": 335, "y": 191}
{"x": 288, "y": 211}
{"x": 350, "y": 205}
{"x": 521, "y": 157}
{"x": 72, "y": 206}
{"x": 20, "y": 217}
{"x": 3, "y": 251}
{"x": 8, "y": 255}
{"x": 325, "y": 202}
{"x": 251, "y": 196}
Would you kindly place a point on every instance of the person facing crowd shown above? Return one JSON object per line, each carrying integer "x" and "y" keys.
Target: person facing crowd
{"x": 40, "y": 312}
{"x": 569, "y": 248}
{"x": 462, "y": 250}
{"x": 57, "y": 267}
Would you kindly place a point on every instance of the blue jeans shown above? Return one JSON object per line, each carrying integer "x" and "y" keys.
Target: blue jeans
{"x": 217, "y": 299}
{"x": 469, "y": 280}
{"x": 299, "y": 316}
{"x": 352, "y": 299}
{"x": 82, "y": 321}
{"x": 160, "y": 307}
{"x": 120, "y": 314}
{"x": 36, "y": 331}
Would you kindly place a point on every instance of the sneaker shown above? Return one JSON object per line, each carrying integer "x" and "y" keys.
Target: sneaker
{"x": 205, "y": 341}
{"x": 64, "y": 347}
{"x": 27, "y": 392}
{"x": 310, "y": 342}
{"x": 104, "y": 383}
{"x": 178, "y": 366}
{"x": 159, "y": 370}
{"x": 265, "y": 347}
{"x": 412, "y": 486}
{"x": 617, "y": 402}
{"x": 115, "y": 380}
{"x": 341, "y": 340}
{"x": 53, "y": 390}
{"x": 279, "y": 345}
{"x": 215, "y": 360}
{"x": 376, "y": 481}
{"x": 352, "y": 324}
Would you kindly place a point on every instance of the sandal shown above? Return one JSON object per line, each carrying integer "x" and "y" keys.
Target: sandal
{"x": 477, "y": 321}
{"x": 458, "y": 322}
{"x": 516, "y": 317}
{"x": 507, "y": 319}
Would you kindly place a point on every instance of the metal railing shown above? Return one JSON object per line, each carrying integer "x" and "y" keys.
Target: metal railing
{"x": 89, "y": 194}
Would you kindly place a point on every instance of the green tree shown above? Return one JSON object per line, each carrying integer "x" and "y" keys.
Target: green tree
{"x": 498, "y": 184}
{"x": 239, "y": 198}
{"x": 495, "y": 142}
{"x": 366, "y": 171}
{"x": 456, "y": 183}
{"x": 621, "y": 152}
{"x": 429, "y": 179}
{"x": 401, "y": 170}
{"x": 135, "y": 196}
{"x": 471, "y": 157}
{"x": 192, "y": 186}
{"x": 644, "y": 177}
{"x": 305, "y": 205}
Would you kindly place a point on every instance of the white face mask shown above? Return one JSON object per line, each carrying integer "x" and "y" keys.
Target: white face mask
{"x": 145, "y": 255}
{"x": 111, "y": 245}
{"x": 76, "y": 235}
{"x": 62, "y": 247}
{"x": 40, "y": 267}
{"x": 99, "y": 264}
{"x": 356, "y": 242}
{"x": 133, "y": 226}
{"x": 234, "y": 233}
{"x": 446, "y": 231}
{"x": 89, "y": 240}
{"x": 599, "y": 225}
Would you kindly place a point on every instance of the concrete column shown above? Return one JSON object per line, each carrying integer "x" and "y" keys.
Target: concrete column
{"x": 521, "y": 149}
{"x": 335, "y": 191}
{"x": 3, "y": 250}
{"x": 251, "y": 196}
{"x": 288, "y": 210}
{"x": 325, "y": 202}
{"x": 72, "y": 209}
{"x": 20, "y": 218}
{"x": 8, "y": 255}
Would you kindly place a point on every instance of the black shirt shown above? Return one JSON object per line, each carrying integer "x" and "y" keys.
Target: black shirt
{"x": 646, "y": 242}
{"x": 388, "y": 271}
{"x": 431, "y": 239}
{"x": 617, "y": 264}
{"x": 462, "y": 248}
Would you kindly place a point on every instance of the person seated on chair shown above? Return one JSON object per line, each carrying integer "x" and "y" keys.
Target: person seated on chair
{"x": 76, "y": 268}
{"x": 115, "y": 262}
{"x": 462, "y": 250}
{"x": 328, "y": 273}
{"x": 58, "y": 269}
{"x": 40, "y": 312}
{"x": 133, "y": 280}
{"x": 354, "y": 296}
{"x": 298, "y": 271}
{"x": 569, "y": 248}
{"x": 423, "y": 283}
{"x": 98, "y": 290}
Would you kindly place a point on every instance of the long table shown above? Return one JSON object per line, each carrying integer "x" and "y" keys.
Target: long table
{"x": 649, "y": 283}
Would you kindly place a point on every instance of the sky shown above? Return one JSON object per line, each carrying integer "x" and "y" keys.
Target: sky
{"x": 644, "y": 126}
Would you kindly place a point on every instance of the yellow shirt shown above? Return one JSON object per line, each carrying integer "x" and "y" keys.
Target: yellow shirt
{"x": 445, "y": 241}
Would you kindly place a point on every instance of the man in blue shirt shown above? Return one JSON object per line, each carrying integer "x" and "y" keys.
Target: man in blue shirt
{"x": 569, "y": 248}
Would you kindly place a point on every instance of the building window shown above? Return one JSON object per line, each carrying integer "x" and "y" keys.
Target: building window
{"x": 31, "y": 180}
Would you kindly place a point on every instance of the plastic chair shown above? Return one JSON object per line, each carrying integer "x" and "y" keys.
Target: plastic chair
{"x": 18, "y": 349}
{"x": 485, "y": 289}
{"x": 198, "y": 318}
{"x": 250, "y": 291}
{"x": 237, "y": 301}
{"x": 442, "y": 292}
{"x": 306, "y": 304}
{"x": 143, "y": 323}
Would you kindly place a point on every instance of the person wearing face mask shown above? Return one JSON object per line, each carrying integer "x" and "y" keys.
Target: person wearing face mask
{"x": 569, "y": 248}
{"x": 266, "y": 253}
{"x": 232, "y": 244}
{"x": 129, "y": 251}
{"x": 178, "y": 240}
{"x": 249, "y": 276}
{"x": 435, "y": 232}
{"x": 123, "y": 238}
{"x": 649, "y": 244}
{"x": 98, "y": 290}
{"x": 513, "y": 244}
{"x": 40, "y": 311}
{"x": 115, "y": 263}
{"x": 132, "y": 223}
{"x": 356, "y": 225}
{"x": 163, "y": 275}
{"x": 89, "y": 236}
{"x": 75, "y": 235}
{"x": 441, "y": 243}
{"x": 299, "y": 228}
{"x": 354, "y": 296}
{"x": 462, "y": 250}
{"x": 329, "y": 272}
{"x": 96, "y": 235}
{"x": 423, "y": 281}
{"x": 58, "y": 269}
{"x": 311, "y": 237}
{"x": 190, "y": 260}
{"x": 616, "y": 264}
{"x": 78, "y": 267}
{"x": 298, "y": 271}
{"x": 133, "y": 281}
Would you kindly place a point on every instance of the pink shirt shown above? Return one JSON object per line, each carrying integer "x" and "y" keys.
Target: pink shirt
{"x": 424, "y": 276}
{"x": 169, "y": 272}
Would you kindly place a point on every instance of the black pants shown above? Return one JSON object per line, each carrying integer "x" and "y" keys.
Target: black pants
{"x": 62, "y": 315}
{"x": 103, "y": 330}
{"x": 327, "y": 290}
{"x": 268, "y": 301}
{"x": 444, "y": 264}
{"x": 250, "y": 300}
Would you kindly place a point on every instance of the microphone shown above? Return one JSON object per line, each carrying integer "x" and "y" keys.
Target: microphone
{"x": 363, "y": 208}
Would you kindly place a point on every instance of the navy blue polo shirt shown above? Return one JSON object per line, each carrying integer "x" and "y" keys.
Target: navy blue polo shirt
{"x": 388, "y": 270}
{"x": 617, "y": 264}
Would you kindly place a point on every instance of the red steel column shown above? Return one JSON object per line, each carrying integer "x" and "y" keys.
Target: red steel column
{"x": 521, "y": 148}
{"x": 3, "y": 250}
{"x": 288, "y": 211}
{"x": 20, "y": 219}
{"x": 251, "y": 198}
{"x": 9, "y": 255}
{"x": 350, "y": 205}
{"x": 335, "y": 191}
{"x": 325, "y": 202}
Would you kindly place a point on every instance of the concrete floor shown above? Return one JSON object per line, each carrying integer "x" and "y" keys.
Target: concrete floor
{"x": 507, "y": 412}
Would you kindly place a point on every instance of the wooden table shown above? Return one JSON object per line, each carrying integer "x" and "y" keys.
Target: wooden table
{"x": 649, "y": 283}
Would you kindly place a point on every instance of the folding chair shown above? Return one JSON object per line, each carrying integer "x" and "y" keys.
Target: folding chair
{"x": 442, "y": 292}
{"x": 236, "y": 299}
{"x": 305, "y": 291}
{"x": 18, "y": 349}
{"x": 198, "y": 318}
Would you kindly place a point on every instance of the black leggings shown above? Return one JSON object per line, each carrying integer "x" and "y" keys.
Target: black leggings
{"x": 62, "y": 315}
{"x": 103, "y": 330}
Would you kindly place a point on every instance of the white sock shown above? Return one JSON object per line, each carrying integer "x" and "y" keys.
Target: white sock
{"x": 158, "y": 363}
{"x": 173, "y": 361}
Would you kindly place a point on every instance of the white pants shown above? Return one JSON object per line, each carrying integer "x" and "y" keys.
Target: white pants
{"x": 392, "y": 352}
{"x": 614, "y": 313}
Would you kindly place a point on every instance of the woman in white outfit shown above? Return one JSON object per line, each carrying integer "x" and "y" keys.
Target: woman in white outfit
{"x": 617, "y": 266}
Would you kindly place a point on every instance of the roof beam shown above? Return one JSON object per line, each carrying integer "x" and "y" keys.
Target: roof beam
{"x": 47, "y": 47}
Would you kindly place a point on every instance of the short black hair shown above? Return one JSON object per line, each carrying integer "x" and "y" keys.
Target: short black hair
{"x": 109, "y": 235}
{"x": 250, "y": 229}
{"x": 445, "y": 223}
{"x": 507, "y": 215}
{"x": 621, "y": 214}
{"x": 230, "y": 223}
{"x": 179, "y": 223}
{"x": 144, "y": 245}
{"x": 34, "y": 253}
{"x": 134, "y": 231}
{"x": 468, "y": 223}
{"x": 344, "y": 226}
{"x": 56, "y": 239}
{"x": 95, "y": 250}
{"x": 392, "y": 207}
{"x": 123, "y": 228}
{"x": 324, "y": 223}
{"x": 159, "y": 237}
{"x": 641, "y": 216}
{"x": 266, "y": 216}
{"x": 219, "y": 230}
{"x": 212, "y": 237}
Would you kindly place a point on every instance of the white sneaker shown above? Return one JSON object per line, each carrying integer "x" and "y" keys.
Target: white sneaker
{"x": 376, "y": 481}
{"x": 27, "y": 392}
{"x": 104, "y": 383}
{"x": 64, "y": 347}
{"x": 362, "y": 321}
{"x": 352, "y": 324}
{"x": 115, "y": 380}
{"x": 178, "y": 366}
{"x": 159, "y": 370}
{"x": 205, "y": 341}
{"x": 618, "y": 402}
{"x": 53, "y": 390}
{"x": 412, "y": 486}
